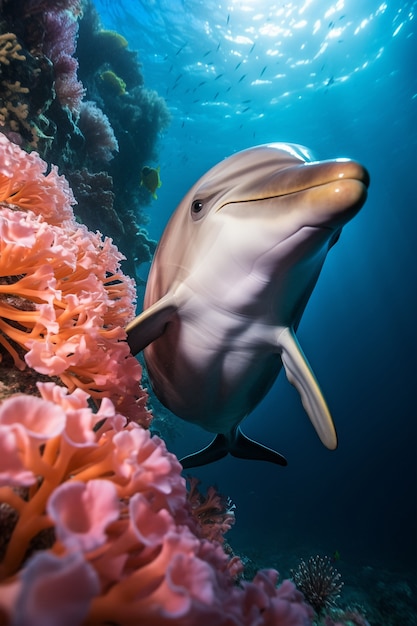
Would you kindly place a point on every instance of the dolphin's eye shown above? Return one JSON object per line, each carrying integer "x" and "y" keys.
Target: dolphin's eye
{"x": 197, "y": 210}
{"x": 197, "y": 206}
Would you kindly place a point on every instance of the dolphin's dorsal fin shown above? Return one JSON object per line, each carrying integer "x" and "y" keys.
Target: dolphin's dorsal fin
{"x": 300, "y": 375}
{"x": 150, "y": 324}
{"x": 238, "y": 445}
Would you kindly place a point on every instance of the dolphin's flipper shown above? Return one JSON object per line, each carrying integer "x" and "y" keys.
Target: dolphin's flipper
{"x": 150, "y": 324}
{"x": 239, "y": 446}
{"x": 300, "y": 375}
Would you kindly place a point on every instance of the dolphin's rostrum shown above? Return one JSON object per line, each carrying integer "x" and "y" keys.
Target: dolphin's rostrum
{"x": 229, "y": 282}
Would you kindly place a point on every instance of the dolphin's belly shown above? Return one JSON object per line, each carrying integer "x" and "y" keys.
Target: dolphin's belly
{"x": 212, "y": 374}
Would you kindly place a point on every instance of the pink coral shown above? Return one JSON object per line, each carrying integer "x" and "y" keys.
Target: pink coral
{"x": 23, "y": 183}
{"x": 63, "y": 297}
{"x": 55, "y": 590}
{"x": 123, "y": 549}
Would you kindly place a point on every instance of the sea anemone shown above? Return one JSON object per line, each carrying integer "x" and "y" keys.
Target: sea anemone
{"x": 319, "y": 581}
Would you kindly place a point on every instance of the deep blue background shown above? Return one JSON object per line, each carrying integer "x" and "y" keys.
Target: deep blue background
{"x": 357, "y": 97}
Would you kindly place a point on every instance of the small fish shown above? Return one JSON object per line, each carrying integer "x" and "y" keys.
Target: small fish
{"x": 216, "y": 95}
{"x": 246, "y": 101}
{"x": 251, "y": 50}
{"x": 263, "y": 71}
{"x": 228, "y": 20}
{"x": 331, "y": 24}
{"x": 150, "y": 179}
{"x": 203, "y": 82}
{"x": 170, "y": 69}
{"x": 206, "y": 54}
{"x": 330, "y": 81}
{"x": 242, "y": 77}
{"x": 238, "y": 65}
{"x": 219, "y": 76}
{"x": 179, "y": 77}
{"x": 197, "y": 100}
{"x": 228, "y": 89}
{"x": 180, "y": 49}
{"x": 246, "y": 109}
{"x": 218, "y": 47}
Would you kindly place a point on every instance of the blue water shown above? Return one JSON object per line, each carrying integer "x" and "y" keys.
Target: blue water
{"x": 340, "y": 78}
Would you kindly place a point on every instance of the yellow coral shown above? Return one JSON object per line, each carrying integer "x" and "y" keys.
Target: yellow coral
{"x": 110, "y": 39}
{"x": 9, "y": 49}
{"x": 116, "y": 84}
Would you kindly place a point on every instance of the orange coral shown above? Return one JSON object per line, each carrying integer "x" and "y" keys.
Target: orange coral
{"x": 63, "y": 297}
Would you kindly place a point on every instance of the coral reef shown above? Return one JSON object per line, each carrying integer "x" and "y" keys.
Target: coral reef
{"x": 319, "y": 581}
{"x": 75, "y": 94}
{"x": 26, "y": 88}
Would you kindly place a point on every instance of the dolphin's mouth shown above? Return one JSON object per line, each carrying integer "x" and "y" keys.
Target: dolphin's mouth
{"x": 312, "y": 175}
{"x": 332, "y": 191}
{"x": 298, "y": 178}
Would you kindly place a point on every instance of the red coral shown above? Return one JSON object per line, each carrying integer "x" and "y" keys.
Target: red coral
{"x": 213, "y": 512}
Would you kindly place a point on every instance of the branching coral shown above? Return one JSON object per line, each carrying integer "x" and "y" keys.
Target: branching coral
{"x": 10, "y": 49}
{"x": 121, "y": 547}
{"x": 14, "y": 112}
{"x": 63, "y": 297}
{"x": 213, "y": 512}
{"x": 38, "y": 57}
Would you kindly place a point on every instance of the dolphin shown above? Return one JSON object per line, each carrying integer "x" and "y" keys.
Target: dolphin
{"x": 229, "y": 282}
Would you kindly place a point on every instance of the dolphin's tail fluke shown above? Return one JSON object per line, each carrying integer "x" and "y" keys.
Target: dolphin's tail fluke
{"x": 239, "y": 446}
